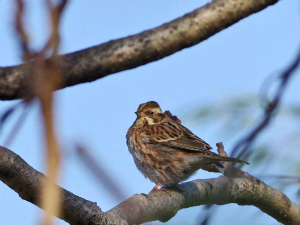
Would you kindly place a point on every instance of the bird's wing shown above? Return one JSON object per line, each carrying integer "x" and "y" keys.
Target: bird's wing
{"x": 172, "y": 136}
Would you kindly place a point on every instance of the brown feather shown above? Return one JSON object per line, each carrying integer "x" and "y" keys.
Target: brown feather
{"x": 171, "y": 134}
{"x": 165, "y": 151}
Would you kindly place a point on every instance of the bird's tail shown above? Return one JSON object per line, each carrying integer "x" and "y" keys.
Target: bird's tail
{"x": 230, "y": 159}
{"x": 219, "y": 166}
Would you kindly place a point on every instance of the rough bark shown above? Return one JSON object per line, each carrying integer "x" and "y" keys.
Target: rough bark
{"x": 246, "y": 190}
{"x": 27, "y": 182}
{"x": 242, "y": 189}
{"x": 126, "y": 53}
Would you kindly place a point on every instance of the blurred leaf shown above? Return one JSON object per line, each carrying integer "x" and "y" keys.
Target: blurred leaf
{"x": 295, "y": 110}
{"x": 297, "y": 168}
{"x": 260, "y": 154}
{"x": 204, "y": 112}
{"x": 236, "y": 114}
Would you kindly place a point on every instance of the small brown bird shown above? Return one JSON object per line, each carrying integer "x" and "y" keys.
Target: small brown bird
{"x": 165, "y": 151}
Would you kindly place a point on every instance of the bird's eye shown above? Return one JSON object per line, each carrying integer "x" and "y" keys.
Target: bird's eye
{"x": 151, "y": 113}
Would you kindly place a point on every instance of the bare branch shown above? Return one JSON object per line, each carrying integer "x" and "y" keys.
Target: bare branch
{"x": 28, "y": 182}
{"x": 118, "y": 55}
{"x": 244, "y": 190}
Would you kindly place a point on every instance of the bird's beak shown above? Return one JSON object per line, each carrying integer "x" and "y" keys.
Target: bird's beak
{"x": 139, "y": 114}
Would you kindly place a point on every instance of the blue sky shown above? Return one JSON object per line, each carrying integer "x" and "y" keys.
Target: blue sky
{"x": 231, "y": 64}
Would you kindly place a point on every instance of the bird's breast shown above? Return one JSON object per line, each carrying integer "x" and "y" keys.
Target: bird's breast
{"x": 136, "y": 141}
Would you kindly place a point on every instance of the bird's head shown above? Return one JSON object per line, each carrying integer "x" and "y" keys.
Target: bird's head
{"x": 150, "y": 113}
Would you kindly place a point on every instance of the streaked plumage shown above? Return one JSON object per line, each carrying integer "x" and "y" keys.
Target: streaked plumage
{"x": 165, "y": 151}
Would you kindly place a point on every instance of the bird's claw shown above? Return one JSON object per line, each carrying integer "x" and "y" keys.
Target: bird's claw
{"x": 155, "y": 189}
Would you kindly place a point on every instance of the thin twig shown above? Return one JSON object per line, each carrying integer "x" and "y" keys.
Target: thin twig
{"x": 243, "y": 147}
{"x": 21, "y": 31}
{"x": 12, "y": 134}
{"x": 101, "y": 175}
{"x": 43, "y": 77}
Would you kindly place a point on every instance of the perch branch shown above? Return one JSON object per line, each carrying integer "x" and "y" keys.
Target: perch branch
{"x": 243, "y": 190}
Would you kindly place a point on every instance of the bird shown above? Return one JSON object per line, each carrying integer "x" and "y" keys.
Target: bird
{"x": 165, "y": 151}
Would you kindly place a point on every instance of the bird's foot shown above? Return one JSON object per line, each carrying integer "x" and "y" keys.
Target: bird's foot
{"x": 155, "y": 189}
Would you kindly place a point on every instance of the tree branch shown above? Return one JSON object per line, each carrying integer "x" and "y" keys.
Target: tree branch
{"x": 243, "y": 190}
{"x": 133, "y": 51}
{"x": 223, "y": 190}
{"x": 28, "y": 182}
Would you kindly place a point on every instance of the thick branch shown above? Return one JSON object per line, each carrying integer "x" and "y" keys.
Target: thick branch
{"x": 27, "y": 182}
{"x": 223, "y": 190}
{"x": 133, "y": 51}
{"x": 246, "y": 190}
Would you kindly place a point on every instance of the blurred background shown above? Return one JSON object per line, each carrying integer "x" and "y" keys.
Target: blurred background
{"x": 213, "y": 87}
